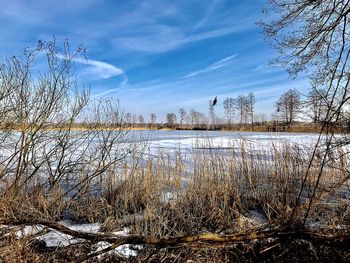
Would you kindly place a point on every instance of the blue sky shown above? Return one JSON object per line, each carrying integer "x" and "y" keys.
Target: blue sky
{"x": 157, "y": 55}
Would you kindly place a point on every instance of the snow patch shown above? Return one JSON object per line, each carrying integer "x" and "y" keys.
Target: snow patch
{"x": 123, "y": 250}
{"x": 28, "y": 230}
{"x": 125, "y": 232}
{"x": 55, "y": 238}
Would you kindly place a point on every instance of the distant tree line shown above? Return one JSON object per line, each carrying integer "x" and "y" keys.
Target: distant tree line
{"x": 240, "y": 111}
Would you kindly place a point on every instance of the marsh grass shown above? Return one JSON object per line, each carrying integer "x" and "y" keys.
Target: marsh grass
{"x": 208, "y": 190}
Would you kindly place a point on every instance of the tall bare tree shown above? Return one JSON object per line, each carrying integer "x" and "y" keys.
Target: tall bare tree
{"x": 229, "y": 110}
{"x": 171, "y": 119}
{"x": 39, "y": 113}
{"x": 251, "y": 100}
{"x": 153, "y": 118}
{"x": 289, "y": 106}
{"x": 316, "y": 104}
{"x": 313, "y": 37}
{"x": 128, "y": 118}
{"x": 197, "y": 118}
{"x": 183, "y": 115}
{"x": 241, "y": 107}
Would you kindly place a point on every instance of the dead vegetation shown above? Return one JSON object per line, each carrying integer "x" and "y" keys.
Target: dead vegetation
{"x": 242, "y": 205}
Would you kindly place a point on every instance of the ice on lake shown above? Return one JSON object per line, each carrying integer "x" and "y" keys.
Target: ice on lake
{"x": 188, "y": 142}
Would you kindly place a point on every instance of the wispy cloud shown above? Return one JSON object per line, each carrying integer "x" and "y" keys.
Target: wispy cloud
{"x": 156, "y": 28}
{"x": 218, "y": 64}
{"x": 99, "y": 68}
{"x": 207, "y": 14}
{"x": 102, "y": 69}
{"x": 40, "y": 12}
{"x": 160, "y": 38}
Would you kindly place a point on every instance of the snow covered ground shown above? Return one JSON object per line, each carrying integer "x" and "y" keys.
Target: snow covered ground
{"x": 173, "y": 140}
{"x": 187, "y": 143}
{"x": 54, "y": 238}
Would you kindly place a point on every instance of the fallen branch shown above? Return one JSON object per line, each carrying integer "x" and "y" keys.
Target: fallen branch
{"x": 210, "y": 238}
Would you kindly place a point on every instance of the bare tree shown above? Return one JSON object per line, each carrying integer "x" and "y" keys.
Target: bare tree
{"x": 241, "y": 107}
{"x": 41, "y": 147}
{"x": 128, "y": 118}
{"x": 171, "y": 119}
{"x": 229, "y": 109}
{"x": 313, "y": 37}
{"x": 197, "y": 118}
{"x": 141, "y": 119}
{"x": 317, "y": 105}
{"x": 153, "y": 118}
{"x": 183, "y": 115}
{"x": 251, "y": 100}
{"x": 194, "y": 117}
{"x": 289, "y": 106}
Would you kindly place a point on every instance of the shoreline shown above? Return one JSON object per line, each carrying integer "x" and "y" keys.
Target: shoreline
{"x": 303, "y": 128}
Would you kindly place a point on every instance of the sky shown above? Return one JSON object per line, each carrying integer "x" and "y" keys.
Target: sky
{"x": 157, "y": 56}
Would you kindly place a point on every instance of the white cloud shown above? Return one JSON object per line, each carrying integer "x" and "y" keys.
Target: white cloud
{"x": 99, "y": 68}
{"x": 146, "y": 29}
{"x": 102, "y": 69}
{"x": 209, "y": 11}
{"x": 219, "y": 64}
{"x": 158, "y": 39}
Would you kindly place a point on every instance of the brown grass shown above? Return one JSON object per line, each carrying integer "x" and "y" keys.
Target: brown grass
{"x": 214, "y": 192}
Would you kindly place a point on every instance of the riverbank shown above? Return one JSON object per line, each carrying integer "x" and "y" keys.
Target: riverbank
{"x": 258, "y": 127}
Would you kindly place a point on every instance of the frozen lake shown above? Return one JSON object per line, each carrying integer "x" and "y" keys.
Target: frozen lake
{"x": 258, "y": 145}
{"x": 175, "y": 146}
{"x": 189, "y": 136}
{"x": 183, "y": 142}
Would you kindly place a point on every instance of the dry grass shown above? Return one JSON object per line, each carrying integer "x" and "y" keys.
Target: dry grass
{"x": 212, "y": 192}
